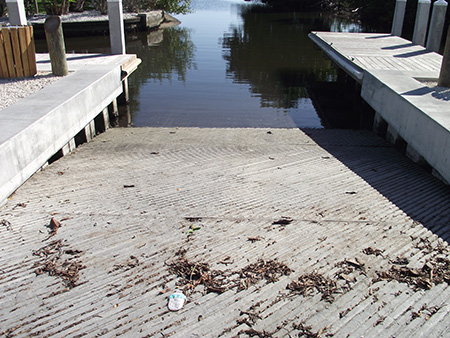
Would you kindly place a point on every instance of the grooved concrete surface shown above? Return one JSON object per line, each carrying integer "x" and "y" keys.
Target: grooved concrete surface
{"x": 314, "y": 200}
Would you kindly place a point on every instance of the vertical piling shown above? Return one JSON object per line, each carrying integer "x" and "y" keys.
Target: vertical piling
{"x": 436, "y": 26}
{"x": 421, "y": 24}
{"x": 444, "y": 76}
{"x": 55, "y": 44}
{"x": 399, "y": 16}
{"x": 116, "y": 27}
{"x": 16, "y": 12}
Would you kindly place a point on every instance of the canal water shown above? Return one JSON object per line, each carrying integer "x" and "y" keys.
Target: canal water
{"x": 231, "y": 63}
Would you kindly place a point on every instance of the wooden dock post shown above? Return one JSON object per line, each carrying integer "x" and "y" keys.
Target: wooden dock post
{"x": 421, "y": 24}
{"x": 399, "y": 16}
{"x": 55, "y": 44}
{"x": 444, "y": 75}
{"x": 436, "y": 26}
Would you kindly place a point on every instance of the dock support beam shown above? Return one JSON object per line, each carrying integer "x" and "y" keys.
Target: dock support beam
{"x": 116, "y": 27}
{"x": 421, "y": 24}
{"x": 399, "y": 16}
{"x": 16, "y": 12}
{"x": 436, "y": 26}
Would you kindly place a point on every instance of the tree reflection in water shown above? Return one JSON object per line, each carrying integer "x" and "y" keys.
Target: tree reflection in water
{"x": 273, "y": 53}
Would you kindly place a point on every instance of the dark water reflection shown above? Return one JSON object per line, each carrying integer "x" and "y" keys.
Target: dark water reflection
{"x": 229, "y": 64}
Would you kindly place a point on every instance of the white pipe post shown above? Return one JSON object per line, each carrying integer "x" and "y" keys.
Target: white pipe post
{"x": 16, "y": 12}
{"x": 421, "y": 24}
{"x": 436, "y": 26}
{"x": 116, "y": 27}
{"x": 399, "y": 16}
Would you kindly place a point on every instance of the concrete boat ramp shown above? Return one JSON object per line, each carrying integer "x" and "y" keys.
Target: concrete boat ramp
{"x": 269, "y": 232}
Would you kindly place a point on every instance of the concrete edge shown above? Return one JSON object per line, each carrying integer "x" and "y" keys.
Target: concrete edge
{"x": 75, "y": 101}
{"x": 409, "y": 108}
{"x": 349, "y": 67}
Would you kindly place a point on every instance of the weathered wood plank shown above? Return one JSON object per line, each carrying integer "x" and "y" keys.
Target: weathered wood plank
{"x": 31, "y": 50}
{"x": 17, "y": 55}
{"x": 23, "y": 52}
{"x": 8, "y": 53}
{"x": 3, "y": 64}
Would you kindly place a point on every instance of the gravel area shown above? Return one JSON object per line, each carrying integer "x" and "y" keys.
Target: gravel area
{"x": 12, "y": 90}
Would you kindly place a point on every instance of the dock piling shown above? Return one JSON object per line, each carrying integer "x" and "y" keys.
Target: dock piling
{"x": 55, "y": 44}
{"x": 399, "y": 16}
{"x": 436, "y": 26}
{"x": 444, "y": 74}
{"x": 16, "y": 12}
{"x": 421, "y": 23}
{"x": 116, "y": 26}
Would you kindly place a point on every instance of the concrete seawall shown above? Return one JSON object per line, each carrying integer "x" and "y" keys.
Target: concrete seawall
{"x": 55, "y": 119}
{"x": 409, "y": 113}
{"x": 412, "y": 116}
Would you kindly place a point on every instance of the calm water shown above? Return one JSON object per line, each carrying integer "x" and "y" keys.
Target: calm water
{"x": 229, "y": 64}
{"x": 226, "y": 66}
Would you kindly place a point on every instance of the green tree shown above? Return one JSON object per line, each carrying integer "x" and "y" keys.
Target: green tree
{"x": 2, "y": 7}
{"x": 60, "y": 7}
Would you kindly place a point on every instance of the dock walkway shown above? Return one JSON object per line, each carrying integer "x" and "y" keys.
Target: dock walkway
{"x": 271, "y": 233}
{"x": 46, "y": 123}
{"x": 393, "y": 73}
{"x": 359, "y": 52}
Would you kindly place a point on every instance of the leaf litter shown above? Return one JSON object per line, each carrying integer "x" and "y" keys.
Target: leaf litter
{"x": 435, "y": 271}
{"x": 193, "y": 274}
{"x": 59, "y": 262}
{"x": 307, "y": 283}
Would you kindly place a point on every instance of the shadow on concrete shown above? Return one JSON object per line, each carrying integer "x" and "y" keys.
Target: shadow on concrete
{"x": 77, "y": 57}
{"x": 406, "y": 45}
{"x": 404, "y": 183}
{"x": 378, "y": 37}
{"x": 411, "y": 54}
{"x": 419, "y": 91}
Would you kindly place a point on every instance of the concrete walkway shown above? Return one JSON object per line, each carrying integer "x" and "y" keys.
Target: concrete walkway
{"x": 393, "y": 73}
{"x": 271, "y": 233}
{"x": 47, "y": 122}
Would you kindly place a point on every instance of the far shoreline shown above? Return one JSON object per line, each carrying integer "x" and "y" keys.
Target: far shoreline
{"x": 92, "y": 22}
